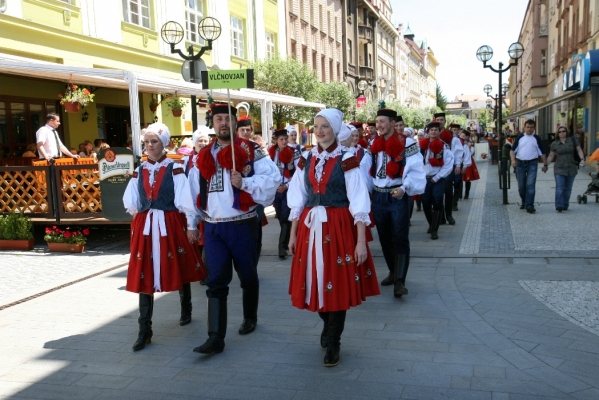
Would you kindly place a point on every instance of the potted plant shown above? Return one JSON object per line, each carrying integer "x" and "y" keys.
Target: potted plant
{"x": 16, "y": 232}
{"x": 176, "y": 104}
{"x": 154, "y": 104}
{"x": 74, "y": 97}
{"x": 66, "y": 240}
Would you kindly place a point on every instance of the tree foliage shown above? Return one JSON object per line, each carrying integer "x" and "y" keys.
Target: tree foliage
{"x": 441, "y": 99}
{"x": 335, "y": 95}
{"x": 288, "y": 77}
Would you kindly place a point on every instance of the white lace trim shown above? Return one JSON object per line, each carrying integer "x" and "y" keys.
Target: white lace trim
{"x": 324, "y": 155}
{"x": 362, "y": 217}
{"x": 295, "y": 213}
{"x": 153, "y": 168}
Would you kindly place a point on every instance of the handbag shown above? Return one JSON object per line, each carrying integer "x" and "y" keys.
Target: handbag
{"x": 576, "y": 156}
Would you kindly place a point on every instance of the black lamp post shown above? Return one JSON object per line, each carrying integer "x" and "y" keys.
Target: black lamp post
{"x": 172, "y": 33}
{"x": 484, "y": 54}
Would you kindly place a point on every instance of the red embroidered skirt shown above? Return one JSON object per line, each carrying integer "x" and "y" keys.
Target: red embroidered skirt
{"x": 180, "y": 262}
{"x": 471, "y": 173}
{"x": 344, "y": 283}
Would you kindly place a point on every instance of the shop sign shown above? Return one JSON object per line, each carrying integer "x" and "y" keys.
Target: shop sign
{"x": 228, "y": 79}
{"x": 360, "y": 101}
{"x": 115, "y": 166}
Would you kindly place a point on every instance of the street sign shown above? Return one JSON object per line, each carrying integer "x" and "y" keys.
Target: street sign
{"x": 115, "y": 165}
{"x": 360, "y": 101}
{"x": 228, "y": 79}
{"x": 199, "y": 65}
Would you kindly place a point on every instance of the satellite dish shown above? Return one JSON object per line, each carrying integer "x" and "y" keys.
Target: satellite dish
{"x": 200, "y": 66}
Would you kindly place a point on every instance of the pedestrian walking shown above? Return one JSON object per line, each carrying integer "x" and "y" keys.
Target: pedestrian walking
{"x": 227, "y": 191}
{"x": 438, "y": 164}
{"x": 332, "y": 269}
{"x": 470, "y": 172}
{"x": 457, "y": 179}
{"x": 457, "y": 150}
{"x": 286, "y": 159}
{"x": 568, "y": 156}
{"x": 164, "y": 257}
{"x": 525, "y": 152}
{"x": 397, "y": 173}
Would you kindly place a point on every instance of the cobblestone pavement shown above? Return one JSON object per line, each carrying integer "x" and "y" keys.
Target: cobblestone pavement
{"x": 488, "y": 323}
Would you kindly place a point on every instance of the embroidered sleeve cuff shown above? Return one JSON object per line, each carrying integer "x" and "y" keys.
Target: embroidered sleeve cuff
{"x": 132, "y": 210}
{"x": 295, "y": 213}
{"x": 245, "y": 186}
{"x": 362, "y": 217}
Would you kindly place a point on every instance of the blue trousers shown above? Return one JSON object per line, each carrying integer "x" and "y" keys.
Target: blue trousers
{"x": 526, "y": 173}
{"x": 392, "y": 218}
{"x": 229, "y": 245}
{"x": 432, "y": 198}
{"x": 563, "y": 190}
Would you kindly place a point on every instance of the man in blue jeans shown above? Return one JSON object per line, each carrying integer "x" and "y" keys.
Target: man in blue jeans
{"x": 525, "y": 153}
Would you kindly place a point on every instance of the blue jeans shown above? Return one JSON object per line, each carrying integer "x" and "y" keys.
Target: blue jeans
{"x": 526, "y": 173}
{"x": 392, "y": 218}
{"x": 563, "y": 190}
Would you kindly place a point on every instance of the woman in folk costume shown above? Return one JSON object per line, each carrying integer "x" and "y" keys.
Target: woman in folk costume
{"x": 332, "y": 269}
{"x": 292, "y": 139}
{"x": 286, "y": 159}
{"x": 470, "y": 170}
{"x": 164, "y": 257}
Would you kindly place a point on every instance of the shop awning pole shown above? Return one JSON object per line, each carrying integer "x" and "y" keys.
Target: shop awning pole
{"x": 131, "y": 79}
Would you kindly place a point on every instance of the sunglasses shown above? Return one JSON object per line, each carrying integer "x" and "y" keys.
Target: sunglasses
{"x": 561, "y": 131}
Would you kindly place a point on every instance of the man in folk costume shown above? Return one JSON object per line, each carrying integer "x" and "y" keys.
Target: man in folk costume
{"x": 227, "y": 190}
{"x": 457, "y": 182}
{"x": 245, "y": 128}
{"x": 371, "y": 132}
{"x": 397, "y": 173}
{"x": 438, "y": 164}
{"x": 285, "y": 158}
{"x": 457, "y": 150}
{"x": 164, "y": 257}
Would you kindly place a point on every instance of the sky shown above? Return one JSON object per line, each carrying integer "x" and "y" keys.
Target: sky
{"x": 455, "y": 29}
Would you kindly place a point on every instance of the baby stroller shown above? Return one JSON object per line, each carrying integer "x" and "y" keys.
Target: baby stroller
{"x": 592, "y": 189}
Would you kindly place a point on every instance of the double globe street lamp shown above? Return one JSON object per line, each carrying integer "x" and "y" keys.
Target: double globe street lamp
{"x": 484, "y": 54}
{"x": 172, "y": 33}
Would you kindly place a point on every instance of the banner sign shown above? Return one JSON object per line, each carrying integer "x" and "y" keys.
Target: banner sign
{"x": 360, "y": 101}
{"x": 228, "y": 79}
{"x": 115, "y": 165}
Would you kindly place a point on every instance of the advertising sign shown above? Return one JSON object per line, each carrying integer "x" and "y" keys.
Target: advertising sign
{"x": 360, "y": 101}
{"x": 115, "y": 165}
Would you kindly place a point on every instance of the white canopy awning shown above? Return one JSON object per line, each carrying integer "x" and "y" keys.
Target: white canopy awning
{"x": 138, "y": 82}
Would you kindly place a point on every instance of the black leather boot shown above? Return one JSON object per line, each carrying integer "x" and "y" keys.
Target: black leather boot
{"x": 284, "y": 238}
{"x": 402, "y": 263}
{"x": 467, "y": 194}
{"x": 146, "y": 308}
{"x": 437, "y": 216}
{"x": 324, "y": 340}
{"x": 185, "y": 299}
{"x": 429, "y": 218}
{"x": 250, "y": 310}
{"x": 336, "y": 325}
{"x": 388, "y": 280}
{"x": 217, "y": 327}
{"x": 418, "y": 205}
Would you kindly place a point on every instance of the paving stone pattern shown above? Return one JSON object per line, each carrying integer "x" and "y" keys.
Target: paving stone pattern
{"x": 576, "y": 301}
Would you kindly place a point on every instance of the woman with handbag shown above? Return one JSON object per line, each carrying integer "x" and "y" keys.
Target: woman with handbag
{"x": 569, "y": 157}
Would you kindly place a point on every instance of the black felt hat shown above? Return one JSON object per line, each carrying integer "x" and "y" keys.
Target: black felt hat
{"x": 387, "y": 112}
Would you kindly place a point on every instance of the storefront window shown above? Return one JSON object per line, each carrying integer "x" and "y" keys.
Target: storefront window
{"x": 3, "y": 131}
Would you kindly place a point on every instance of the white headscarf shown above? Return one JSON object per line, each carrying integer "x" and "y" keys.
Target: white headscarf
{"x": 335, "y": 118}
{"x": 290, "y": 128}
{"x": 409, "y": 131}
{"x": 202, "y": 131}
{"x": 345, "y": 133}
{"x": 160, "y": 130}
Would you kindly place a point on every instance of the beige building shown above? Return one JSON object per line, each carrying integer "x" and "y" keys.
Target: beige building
{"x": 555, "y": 81}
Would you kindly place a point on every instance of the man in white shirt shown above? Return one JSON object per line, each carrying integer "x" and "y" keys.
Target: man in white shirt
{"x": 48, "y": 143}
{"x": 226, "y": 197}
{"x": 525, "y": 153}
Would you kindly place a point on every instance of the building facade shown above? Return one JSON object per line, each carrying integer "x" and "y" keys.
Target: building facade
{"x": 119, "y": 35}
{"x": 419, "y": 73}
{"x": 553, "y": 82}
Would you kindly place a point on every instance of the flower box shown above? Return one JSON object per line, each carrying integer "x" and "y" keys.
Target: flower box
{"x": 71, "y": 106}
{"x": 17, "y": 244}
{"x": 66, "y": 247}
{"x": 177, "y": 113}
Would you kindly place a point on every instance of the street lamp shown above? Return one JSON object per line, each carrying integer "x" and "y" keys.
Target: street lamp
{"x": 172, "y": 33}
{"x": 484, "y": 54}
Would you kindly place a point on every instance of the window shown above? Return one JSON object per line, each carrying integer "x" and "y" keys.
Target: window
{"x": 543, "y": 62}
{"x": 270, "y": 44}
{"x": 321, "y": 14}
{"x": 194, "y": 12}
{"x": 350, "y": 56}
{"x": 237, "y": 41}
{"x": 137, "y": 12}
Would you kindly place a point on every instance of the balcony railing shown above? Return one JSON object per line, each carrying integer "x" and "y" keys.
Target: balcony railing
{"x": 365, "y": 33}
{"x": 366, "y": 72}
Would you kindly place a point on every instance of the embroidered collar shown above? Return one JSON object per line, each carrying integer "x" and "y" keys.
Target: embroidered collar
{"x": 151, "y": 161}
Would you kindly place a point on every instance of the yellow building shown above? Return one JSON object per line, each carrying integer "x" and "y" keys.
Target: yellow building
{"x": 117, "y": 35}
